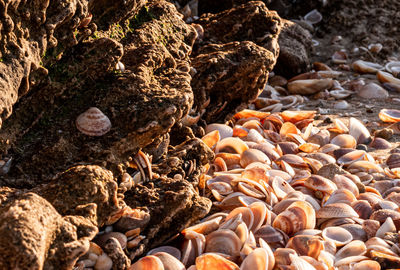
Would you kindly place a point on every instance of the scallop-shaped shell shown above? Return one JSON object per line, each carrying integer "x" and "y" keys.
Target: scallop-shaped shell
{"x": 336, "y": 210}
{"x": 373, "y": 91}
{"x": 363, "y": 208}
{"x": 210, "y": 261}
{"x": 389, "y": 115}
{"x": 299, "y": 216}
{"x": 93, "y": 122}
{"x": 308, "y": 87}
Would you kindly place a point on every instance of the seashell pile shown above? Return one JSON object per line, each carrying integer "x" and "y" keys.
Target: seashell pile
{"x": 287, "y": 195}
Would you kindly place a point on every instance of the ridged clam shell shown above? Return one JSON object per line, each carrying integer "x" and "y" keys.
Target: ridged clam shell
{"x": 336, "y": 210}
{"x": 354, "y": 248}
{"x": 299, "y": 216}
{"x": 93, "y": 122}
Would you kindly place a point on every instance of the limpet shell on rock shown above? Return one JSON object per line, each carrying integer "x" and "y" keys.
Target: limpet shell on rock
{"x": 93, "y": 122}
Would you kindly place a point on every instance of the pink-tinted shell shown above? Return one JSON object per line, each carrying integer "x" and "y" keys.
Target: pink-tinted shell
{"x": 93, "y": 122}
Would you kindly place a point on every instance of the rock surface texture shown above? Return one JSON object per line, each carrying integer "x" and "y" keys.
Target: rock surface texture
{"x": 154, "y": 77}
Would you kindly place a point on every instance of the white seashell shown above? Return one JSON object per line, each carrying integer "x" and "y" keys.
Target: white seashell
{"x": 393, "y": 67}
{"x": 93, "y": 122}
{"x": 387, "y": 226}
{"x": 120, "y": 66}
{"x": 341, "y": 105}
{"x": 340, "y": 94}
{"x": 359, "y": 131}
{"x": 313, "y": 17}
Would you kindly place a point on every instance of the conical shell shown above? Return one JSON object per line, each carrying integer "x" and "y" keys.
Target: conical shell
{"x": 93, "y": 122}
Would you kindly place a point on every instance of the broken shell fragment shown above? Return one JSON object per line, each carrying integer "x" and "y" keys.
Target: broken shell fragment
{"x": 93, "y": 122}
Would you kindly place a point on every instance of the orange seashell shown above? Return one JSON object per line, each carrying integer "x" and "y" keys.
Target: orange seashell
{"x": 223, "y": 241}
{"x": 298, "y": 216}
{"x": 297, "y": 116}
{"x": 231, "y": 145}
{"x": 306, "y": 245}
{"x": 251, "y": 113}
{"x": 287, "y": 128}
{"x": 147, "y": 263}
{"x": 93, "y": 122}
{"x": 209, "y": 261}
{"x": 211, "y": 139}
{"x": 389, "y": 115}
{"x": 344, "y": 141}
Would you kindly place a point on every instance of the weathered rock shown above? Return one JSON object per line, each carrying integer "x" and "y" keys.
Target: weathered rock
{"x": 173, "y": 205}
{"x": 85, "y": 190}
{"x": 115, "y": 252}
{"x": 295, "y": 46}
{"x": 29, "y": 29}
{"x": 35, "y": 236}
{"x": 105, "y": 13}
{"x": 248, "y": 22}
{"x": 228, "y": 82}
{"x": 143, "y": 102}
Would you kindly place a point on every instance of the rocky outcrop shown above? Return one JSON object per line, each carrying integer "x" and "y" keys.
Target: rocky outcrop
{"x": 89, "y": 191}
{"x": 35, "y": 236}
{"x": 229, "y": 76}
{"x": 295, "y": 47}
{"x": 143, "y": 102}
{"x": 29, "y": 29}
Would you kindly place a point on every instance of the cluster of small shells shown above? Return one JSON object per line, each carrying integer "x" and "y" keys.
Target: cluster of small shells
{"x": 290, "y": 195}
{"x": 371, "y": 81}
